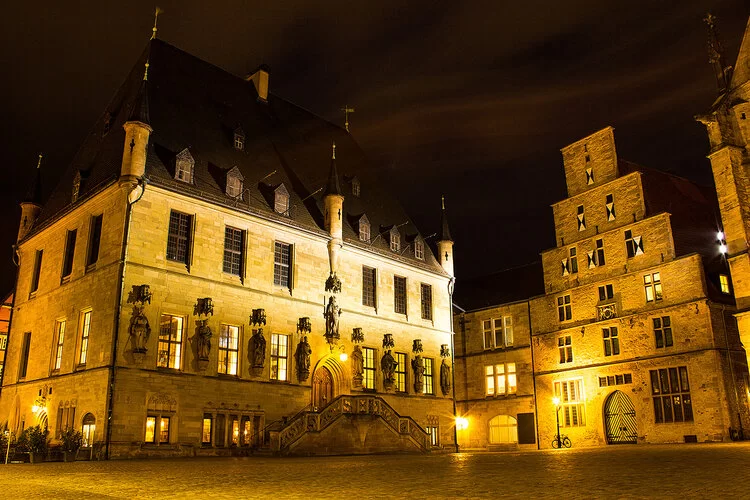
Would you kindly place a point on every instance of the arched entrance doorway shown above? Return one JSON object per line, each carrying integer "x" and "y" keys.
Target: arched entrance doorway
{"x": 322, "y": 388}
{"x": 503, "y": 430}
{"x": 88, "y": 428}
{"x": 620, "y": 424}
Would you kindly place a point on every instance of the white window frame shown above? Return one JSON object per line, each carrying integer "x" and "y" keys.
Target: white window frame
{"x": 652, "y": 287}
{"x": 280, "y": 360}
{"x": 572, "y": 402}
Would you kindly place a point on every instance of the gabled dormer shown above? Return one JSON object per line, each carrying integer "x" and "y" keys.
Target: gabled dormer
{"x": 363, "y": 228}
{"x": 78, "y": 180}
{"x": 418, "y": 248}
{"x": 184, "y": 166}
{"x": 356, "y": 186}
{"x": 234, "y": 183}
{"x": 239, "y": 139}
{"x": 281, "y": 200}
{"x": 395, "y": 239}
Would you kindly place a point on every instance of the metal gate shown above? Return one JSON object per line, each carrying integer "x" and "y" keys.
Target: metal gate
{"x": 619, "y": 419}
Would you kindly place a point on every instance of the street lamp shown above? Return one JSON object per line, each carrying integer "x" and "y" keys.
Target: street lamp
{"x": 556, "y": 402}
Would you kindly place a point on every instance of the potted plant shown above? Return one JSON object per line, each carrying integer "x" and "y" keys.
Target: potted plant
{"x": 72, "y": 440}
{"x": 36, "y": 442}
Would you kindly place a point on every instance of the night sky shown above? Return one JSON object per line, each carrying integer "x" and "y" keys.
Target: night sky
{"x": 468, "y": 99}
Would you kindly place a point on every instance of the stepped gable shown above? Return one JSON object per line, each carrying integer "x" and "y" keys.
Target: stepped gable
{"x": 502, "y": 287}
{"x": 195, "y": 105}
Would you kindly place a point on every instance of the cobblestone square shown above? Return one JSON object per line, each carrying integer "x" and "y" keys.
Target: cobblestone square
{"x": 692, "y": 471}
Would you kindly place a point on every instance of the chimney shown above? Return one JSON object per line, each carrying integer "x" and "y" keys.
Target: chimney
{"x": 260, "y": 80}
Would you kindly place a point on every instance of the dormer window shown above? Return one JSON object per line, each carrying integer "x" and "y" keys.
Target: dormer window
{"x": 184, "y": 166}
{"x": 281, "y": 200}
{"x": 235, "y": 183}
{"x": 395, "y": 240}
{"x": 239, "y": 139}
{"x": 419, "y": 248}
{"x": 355, "y": 187}
{"x": 364, "y": 229}
{"x": 76, "y": 187}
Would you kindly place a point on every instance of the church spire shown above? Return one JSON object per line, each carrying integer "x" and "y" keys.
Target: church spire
{"x": 333, "y": 186}
{"x": 31, "y": 205}
{"x": 446, "y": 234}
{"x": 716, "y": 54}
{"x": 741, "y": 72}
{"x": 445, "y": 244}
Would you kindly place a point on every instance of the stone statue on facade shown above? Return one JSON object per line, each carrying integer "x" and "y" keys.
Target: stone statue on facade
{"x": 333, "y": 311}
{"x": 203, "y": 339}
{"x": 358, "y": 365}
{"x": 445, "y": 378}
{"x": 302, "y": 356}
{"x": 417, "y": 365}
{"x": 140, "y": 330}
{"x": 259, "y": 348}
{"x": 388, "y": 365}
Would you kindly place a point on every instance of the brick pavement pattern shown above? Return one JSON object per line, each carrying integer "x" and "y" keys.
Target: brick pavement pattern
{"x": 653, "y": 471}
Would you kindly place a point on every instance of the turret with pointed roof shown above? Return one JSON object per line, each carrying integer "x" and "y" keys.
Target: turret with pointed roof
{"x": 445, "y": 245}
{"x": 32, "y": 203}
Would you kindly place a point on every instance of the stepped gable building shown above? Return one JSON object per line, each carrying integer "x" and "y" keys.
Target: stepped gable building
{"x": 494, "y": 364}
{"x": 635, "y": 334}
{"x": 727, "y": 123}
{"x": 213, "y": 273}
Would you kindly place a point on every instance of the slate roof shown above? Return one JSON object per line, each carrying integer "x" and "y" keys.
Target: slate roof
{"x": 193, "y": 104}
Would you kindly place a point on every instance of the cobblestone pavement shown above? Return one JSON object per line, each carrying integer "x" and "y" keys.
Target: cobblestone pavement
{"x": 702, "y": 471}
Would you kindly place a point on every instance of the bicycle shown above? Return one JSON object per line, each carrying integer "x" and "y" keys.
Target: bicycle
{"x": 562, "y": 438}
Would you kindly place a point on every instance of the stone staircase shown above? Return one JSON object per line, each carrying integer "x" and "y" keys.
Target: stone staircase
{"x": 350, "y": 424}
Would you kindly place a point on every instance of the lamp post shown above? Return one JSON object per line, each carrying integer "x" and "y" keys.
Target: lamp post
{"x": 556, "y": 402}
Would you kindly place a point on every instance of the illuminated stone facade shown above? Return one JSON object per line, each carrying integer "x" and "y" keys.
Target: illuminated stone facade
{"x": 634, "y": 333}
{"x": 196, "y": 185}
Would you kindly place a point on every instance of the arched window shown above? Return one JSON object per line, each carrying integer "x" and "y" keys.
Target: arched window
{"x": 503, "y": 429}
{"x": 89, "y": 426}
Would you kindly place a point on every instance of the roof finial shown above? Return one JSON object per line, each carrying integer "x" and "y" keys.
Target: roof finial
{"x": 145, "y": 73}
{"x": 346, "y": 109}
{"x": 716, "y": 52}
{"x": 442, "y": 200}
{"x": 333, "y": 153}
{"x": 39, "y": 163}
{"x": 156, "y": 18}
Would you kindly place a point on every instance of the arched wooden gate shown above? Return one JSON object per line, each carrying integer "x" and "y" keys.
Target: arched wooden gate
{"x": 619, "y": 419}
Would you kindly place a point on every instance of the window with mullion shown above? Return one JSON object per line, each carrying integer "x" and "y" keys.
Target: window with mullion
{"x": 233, "y": 250}
{"x": 85, "y": 328}
{"x": 368, "y": 368}
{"x": 399, "y": 294}
{"x": 663, "y": 331}
{"x": 282, "y": 259}
{"x": 670, "y": 390}
{"x": 229, "y": 346}
{"x": 611, "y": 341}
{"x": 170, "y": 342}
{"x": 179, "y": 236}
{"x": 70, "y": 248}
{"x": 60, "y": 335}
{"x": 426, "y": 297}
{"x": 401, "y": 361}
{"x": 368, "y": 286}
{"x": 94, "y": 240}
{"x": 572, "y": 405}
{"x": 427, "y": 381}
{"x": 279, "y": 353}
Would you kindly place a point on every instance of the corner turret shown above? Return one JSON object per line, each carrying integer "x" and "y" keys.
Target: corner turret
{"x": 31, "y": 205}
{"x": 333, "y": 206}
{"x": 137, "y": 133}
{"x": 445, "y": 244}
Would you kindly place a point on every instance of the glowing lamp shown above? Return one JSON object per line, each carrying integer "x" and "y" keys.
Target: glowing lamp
{"x": 343, "y": 357}
{"x": 720, "y": 235}
{"x": 461, "y": 423}
{"x": 722, "y": 248}
{"x": 35, "y": 408}
{"x": 556, "y": 401}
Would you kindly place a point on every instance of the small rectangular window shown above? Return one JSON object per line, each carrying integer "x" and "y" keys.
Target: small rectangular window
{"x": 178, "y": 240}
{"x": 573, "y": 252}
{"x": 37, "y": 271}
{"x": 419, "y": 249}
{"x": 279, "y": 353}
{"x": 606, "y": 292}
{"x": 565, "y": 348}
{"x": 633, "y": 244}
{"x": 663, "y": 331}
{"x": 581, "y": 218}
{"x": 207, "y": 425}
{"x": 368, "y": 286}
{"x": 150, "y": 430}
{"x": 229, "y": 348}
{"x": 233, "y": 250}
{"x": 23, "y": 365}
{"x": 610, "y": 207}
{"x": 169, "y": 348}
{"x": 368, "y": 368}
{"x": 564, "y": 310}
{"x": 426, "y": 297}
{"x": 95, "y": 238}
{"x": 724, "y": 283}
{"x": 399, "y": 294}
{"x": 489, "y": 375}
{"x": 282, "y": 259}
{"x": 60, "y": 338}
{"x": 164, "y": 430}
{"x": 428, "y": 386}
{"x": 402, "y": 361}
{"x": 70, "y": 247}
{"x": 652, "y": 286}
{"x": 85, "y": 327}
{"x": 600, "y": 252}
{"x": 611, "y": 341}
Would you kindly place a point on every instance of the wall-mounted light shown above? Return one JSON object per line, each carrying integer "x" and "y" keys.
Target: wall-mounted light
{"x": 721, "y": 239}
{"x": 462, "y": 423}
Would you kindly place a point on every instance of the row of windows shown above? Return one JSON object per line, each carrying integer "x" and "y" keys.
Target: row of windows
{"x": 364, "y": 230}
{"x": 596, "y": 257}
{"x": 662, "y": 327}
{"x": 369, "y": 293}
{"x": 609, "y": 205}
{"x": 369, "y": 368}
{"x": 670, "y": 390}
{"x": 92, "y": 255}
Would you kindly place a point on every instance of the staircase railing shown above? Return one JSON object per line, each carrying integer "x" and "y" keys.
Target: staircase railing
{"x": 262, "y": 432}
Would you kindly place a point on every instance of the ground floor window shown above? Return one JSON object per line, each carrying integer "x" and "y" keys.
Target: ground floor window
{"x": 434, "y": 435}
{"x": 427, "y": 385}
{"x": 570, "y": 393}
{"x": 207, "y": 425}
{"x": 401, "y": 361}
{"x": 670, "y": 389}
{"x": 157, "y": 429}
{"x": 368, "y": 368}
{"x": 503, "y": 429}
{"x": 89, "y": 426}
{"x": 221, "y": 430}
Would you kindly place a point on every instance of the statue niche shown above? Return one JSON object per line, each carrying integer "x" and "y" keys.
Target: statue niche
{"x": 203, "y": 336}
{"x": 333, "y": 311}
{"x": 258, "y": 348}
{"x": 417, "y": 365}
{"x": 358, "y": 366}
{"x": 139, "y": 329}
{"x": 302, "y": 357}
{"x": 388, "y": 365}
{"x": 445, "y": 378}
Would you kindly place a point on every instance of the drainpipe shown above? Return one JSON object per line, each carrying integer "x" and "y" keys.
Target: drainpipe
{"x": 451, "y": 284}
{"x": 118, "y": 312}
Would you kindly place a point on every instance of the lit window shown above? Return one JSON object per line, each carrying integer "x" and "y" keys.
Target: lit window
{"x": 279, "y": 352}
{"x": 233, "y": 249}
{"x": 432, "y": 431}
{"x": 164, "y": 430}
{"x": 427, "y": 385}
{"x": 170, "y": 342}
{"x": 500, "y": 379}
{"x": 184, "y": 166}
{"x": 663, "y": 331}
{"x": 565, "y": 348}
{"x": 419, "y": 249}
{"x": 611, "y": 341}
{"x": 369, "y": 286}
{"x": 503, "y": 429}
{"x": 70, "y": 248}
{"x": 610, "y": 207}
{"x": 395, "y": 240}
{"x": 3, "y": 342}
{"x": 652, "y": 286}
{"x": 281, "y": 200}
{"x": 368, "y": 368}
{"x": 670, "y": 390}
{"x": 235, "y": 430}
{"x": 401, "y": 361}
{"x": 581, "y": 218}
{"x": 206, "y": 434}
{"x": 229, "y": 346}
{"x": 150, "y": 430}
{"x": 60, "y": 335}
{"x": 570, "y": 393}
{"x": 178, "y": 240}
{"x": 85, "y": 328}
{"x": 364, "y": 229}
{"x": 426, "y": 296}
{"x": 724, "y": 283}
{"x": 633, "y": 244}
{"x": 399, "y": 294}
{"x": 88, "y": 428}
{"x": 282, "y": 258}
{"x": 564, "y": 310}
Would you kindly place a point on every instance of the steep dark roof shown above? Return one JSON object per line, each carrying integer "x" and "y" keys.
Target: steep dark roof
{"x": 502, "y": 287}
{"x": 34, "y": 194}
{"x": 140, "y": 113}
{"x": 194, "y": 104}
{"x": 446, "y": 232}
{"x": 333, "y": 186}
